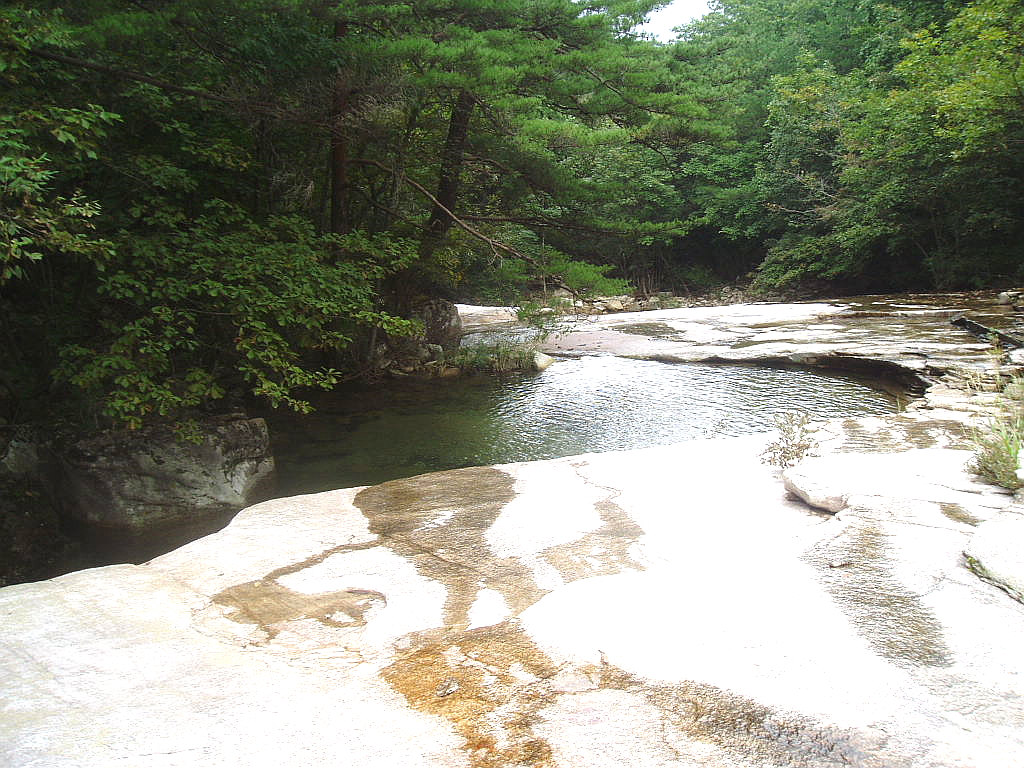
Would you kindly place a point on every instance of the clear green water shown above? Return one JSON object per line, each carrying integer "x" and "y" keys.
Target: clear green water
{"x": 367, "y": 436}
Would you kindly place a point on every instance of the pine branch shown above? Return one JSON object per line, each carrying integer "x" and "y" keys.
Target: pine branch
{"x": 495, "y": 245}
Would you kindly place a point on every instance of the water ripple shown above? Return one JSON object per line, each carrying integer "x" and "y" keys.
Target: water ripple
{"x": 575, "y": 406}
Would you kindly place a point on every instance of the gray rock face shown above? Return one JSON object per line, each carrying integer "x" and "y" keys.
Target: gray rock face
{"x": 145, "y": 480}
{"x": 19, "y": 457}
{"x": 441, "y": 322}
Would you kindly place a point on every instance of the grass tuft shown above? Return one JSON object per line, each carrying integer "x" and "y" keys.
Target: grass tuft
{"x": 997, "y": 445}
{"x": 495, "y": 358}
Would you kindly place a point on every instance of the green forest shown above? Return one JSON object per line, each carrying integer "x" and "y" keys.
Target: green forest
{"x": 202, "y": 198}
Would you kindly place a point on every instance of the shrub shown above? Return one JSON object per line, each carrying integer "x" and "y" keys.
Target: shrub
{"x": 794, "y": 442}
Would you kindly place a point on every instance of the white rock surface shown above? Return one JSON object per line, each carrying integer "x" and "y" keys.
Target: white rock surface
{"x": 996, "y": 552}
{"x": 475, "y": 317}
{"x": 609, "y": 609}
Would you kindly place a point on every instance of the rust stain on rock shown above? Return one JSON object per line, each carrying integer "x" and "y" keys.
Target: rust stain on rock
{"x": 494, "y": 685}
{"x": 489, "y": 683}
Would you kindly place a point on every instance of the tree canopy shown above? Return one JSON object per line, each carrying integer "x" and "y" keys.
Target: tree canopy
{"x": 202, "y": 198}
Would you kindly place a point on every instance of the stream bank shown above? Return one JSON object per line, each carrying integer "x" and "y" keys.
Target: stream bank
{"x": 674, "y": 605}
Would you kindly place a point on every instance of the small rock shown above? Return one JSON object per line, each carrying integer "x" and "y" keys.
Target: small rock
{"x": 541, "y": 361}
{"x": 1008, "y": 297}
{"x": 813, "y": 491}
{"x": 447, "y": 687}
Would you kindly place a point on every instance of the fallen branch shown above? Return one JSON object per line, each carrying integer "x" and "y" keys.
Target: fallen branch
{"x": 986, "y": 333}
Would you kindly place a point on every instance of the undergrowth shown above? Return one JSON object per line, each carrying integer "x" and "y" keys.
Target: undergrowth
{"x": 496, "y": 358}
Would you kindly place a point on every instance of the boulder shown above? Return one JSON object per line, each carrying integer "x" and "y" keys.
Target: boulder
{"x": 441, "y": 322}
{"x": 19, "y": 456}
{"x": 140, "y": 481}
{"x": 472, "y": 316}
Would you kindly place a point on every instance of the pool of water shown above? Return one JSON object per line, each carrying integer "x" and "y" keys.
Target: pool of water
{"x": 366, "y": 436}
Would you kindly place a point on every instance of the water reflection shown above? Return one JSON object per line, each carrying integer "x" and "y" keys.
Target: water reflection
{"x": 575, "y": 406}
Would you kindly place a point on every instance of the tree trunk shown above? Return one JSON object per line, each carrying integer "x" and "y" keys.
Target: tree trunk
{"x": 339, "y": 146}
{"x": 448, "y": 175}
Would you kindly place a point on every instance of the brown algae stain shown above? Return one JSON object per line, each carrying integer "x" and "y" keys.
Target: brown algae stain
{"x": 891, "y": 618}
{"x": 901, "y": 433}
{"x": 603, "y": 552}
{"x": 268, "y": 604}
{"x": 652, "y": 330}
{"x": 751, "y": 731}
{"x": 439, "y": 522}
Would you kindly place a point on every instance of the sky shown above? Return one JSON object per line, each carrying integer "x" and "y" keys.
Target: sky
{"x": 674, "y": 15}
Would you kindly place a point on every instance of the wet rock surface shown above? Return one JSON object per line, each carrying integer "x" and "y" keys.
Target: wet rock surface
{"x": 671, "y": 606}
{"x": 908, "y": 336}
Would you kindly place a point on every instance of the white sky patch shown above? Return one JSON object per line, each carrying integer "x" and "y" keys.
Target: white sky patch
{"x": 680, "y": 12}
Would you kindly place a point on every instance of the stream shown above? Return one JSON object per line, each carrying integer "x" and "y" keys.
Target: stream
{"x": 369, "y": 435}
{"x": 363, "y": 435}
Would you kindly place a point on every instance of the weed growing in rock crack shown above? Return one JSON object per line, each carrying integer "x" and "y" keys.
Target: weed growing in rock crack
{"x": 794, "y": 442}
{"x": 997, "y": 445}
